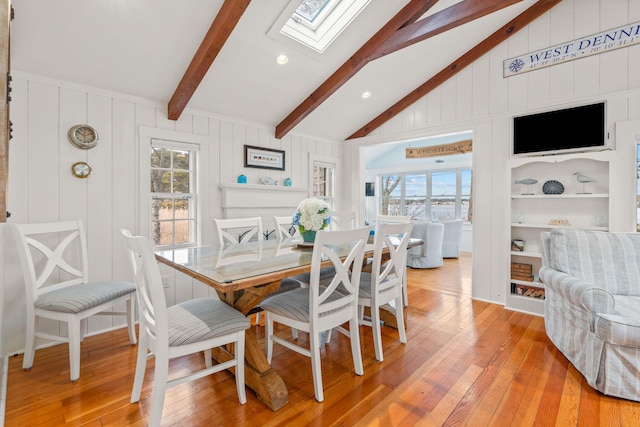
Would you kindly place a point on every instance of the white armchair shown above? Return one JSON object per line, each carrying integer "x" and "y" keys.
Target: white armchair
{"x": 428, "y": 255}
{"x": 452, "y": 238}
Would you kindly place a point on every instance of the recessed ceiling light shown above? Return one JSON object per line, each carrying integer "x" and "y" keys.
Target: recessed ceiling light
{"x": 282, "y": 59}
{"x": 366, "y": 94}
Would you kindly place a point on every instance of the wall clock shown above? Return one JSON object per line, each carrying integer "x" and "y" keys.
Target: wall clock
{"x": 83, "y": 136}
{"x": 81, "y": 169}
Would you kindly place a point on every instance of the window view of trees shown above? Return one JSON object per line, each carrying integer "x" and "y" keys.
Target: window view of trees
{"x": 428, "y": 195}
{"x": 172, "y": 196}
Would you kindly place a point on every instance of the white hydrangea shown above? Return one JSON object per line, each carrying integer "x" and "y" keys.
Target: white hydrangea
{"x": 312, "y": 215}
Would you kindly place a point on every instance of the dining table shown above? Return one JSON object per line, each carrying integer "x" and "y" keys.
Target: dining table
{"x": 243, "y": 275}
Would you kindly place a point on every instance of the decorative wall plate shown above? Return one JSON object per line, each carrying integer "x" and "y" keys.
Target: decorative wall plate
{"x": 552, "y": 187}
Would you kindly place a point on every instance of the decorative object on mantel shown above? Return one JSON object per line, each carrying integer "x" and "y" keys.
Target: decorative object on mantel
{"x": 527, "y": 182}
{"x": 287, "y": 182}
{"x": 583, "y": 179}
{"x": 311, "y": 216}
{"x": 559, "y": 222}
{"x": 268, "y": 181}
{"x": 242, "y": 179}
{"x": 552, "y": 187}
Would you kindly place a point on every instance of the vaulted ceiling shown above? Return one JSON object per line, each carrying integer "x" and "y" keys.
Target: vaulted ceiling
{"x": 219, "y": 56}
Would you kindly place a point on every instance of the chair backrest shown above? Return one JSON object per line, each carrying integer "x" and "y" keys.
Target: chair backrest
{"x": 385, "y": 274}
{"x": 342, "y": 220}
{"x": 285, "y": 229}
{"x": 241, "y": 230}
{"x": 52, "y": 255}
{"x": 391, "y": 219}
{"x": 324, "y": 301}
{"x": 152, "y": 304}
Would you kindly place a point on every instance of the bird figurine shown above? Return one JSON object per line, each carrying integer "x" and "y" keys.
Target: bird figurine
{"x": 583, "y": 179}
{"x": 527, "y": 182}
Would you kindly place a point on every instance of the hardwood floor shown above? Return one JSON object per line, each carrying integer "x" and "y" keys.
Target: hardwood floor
{"x": 466, "y": 363}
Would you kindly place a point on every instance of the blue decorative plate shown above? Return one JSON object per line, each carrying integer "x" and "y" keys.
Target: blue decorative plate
{"x": 552, "y": 187}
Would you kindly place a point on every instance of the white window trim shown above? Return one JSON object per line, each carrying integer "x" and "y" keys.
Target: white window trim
{"x": 329, "y": 162}
{"x": 146, "y": 134}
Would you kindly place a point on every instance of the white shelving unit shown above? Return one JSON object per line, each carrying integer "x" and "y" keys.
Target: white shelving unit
{"x": 584, "y": 206}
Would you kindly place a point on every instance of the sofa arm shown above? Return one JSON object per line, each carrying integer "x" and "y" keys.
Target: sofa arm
{"x": 578, "y": 293}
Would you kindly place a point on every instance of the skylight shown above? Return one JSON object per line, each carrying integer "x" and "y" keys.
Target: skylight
{"x": 316, "y": 23}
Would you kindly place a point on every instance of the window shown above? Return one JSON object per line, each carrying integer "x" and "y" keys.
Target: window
{"x": 427, "y": 195}
{"x": 316, "y": 23}
{"x": 323, "y": 181}
{"x": 173, "y": 193}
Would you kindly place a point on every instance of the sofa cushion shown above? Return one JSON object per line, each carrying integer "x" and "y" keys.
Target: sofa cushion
{"x": 610, "y": 261}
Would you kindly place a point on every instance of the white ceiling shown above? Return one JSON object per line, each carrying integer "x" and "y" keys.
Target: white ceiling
{"x": 143, "y": 47}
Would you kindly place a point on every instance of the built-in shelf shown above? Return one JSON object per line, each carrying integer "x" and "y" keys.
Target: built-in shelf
{"x": 549, "y": 226}
{"x": 584, "y": 206}
{"x": 560, "y": 196}
{"x": 529, "y": 254}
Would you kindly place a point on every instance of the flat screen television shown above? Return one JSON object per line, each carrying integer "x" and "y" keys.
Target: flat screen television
{"x": 580, "y": 128}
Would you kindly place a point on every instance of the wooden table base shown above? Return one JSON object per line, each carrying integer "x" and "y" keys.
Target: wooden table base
{"x": 259, "y": 376}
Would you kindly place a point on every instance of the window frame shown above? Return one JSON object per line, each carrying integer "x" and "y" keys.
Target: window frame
{"x": 192, "y": 195}
{"x": 429, "y": 187}
{"x": 202, "y": 180}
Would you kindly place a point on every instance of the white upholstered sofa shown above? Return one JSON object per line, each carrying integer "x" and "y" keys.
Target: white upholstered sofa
{"x": 592, "y": 305}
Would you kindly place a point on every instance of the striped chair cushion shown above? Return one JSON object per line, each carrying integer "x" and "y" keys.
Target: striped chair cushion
{"x": 365, "y": 285}
{"x": 78, "y": 298}
{"x": 608, "y": 260}
{"x": 293, "y": 304}
{"x": 203, "y": 318}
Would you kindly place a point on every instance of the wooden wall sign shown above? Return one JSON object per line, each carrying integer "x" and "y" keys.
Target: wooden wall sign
{"x": 594, "y": 44}
{"x": 460, "y": 147}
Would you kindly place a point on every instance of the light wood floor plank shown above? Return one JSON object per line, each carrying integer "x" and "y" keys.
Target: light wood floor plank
{"x": 466, "y": 363}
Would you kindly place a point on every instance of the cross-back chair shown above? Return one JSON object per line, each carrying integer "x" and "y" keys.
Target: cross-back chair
{"x": 238, "y": 230}
{"x": 343, "y": 220}
{"x": 55, "y": 267}
{"x": 188, "y": 327}
{"x": 385, "y": 282}
{"x": 316, "y": 309}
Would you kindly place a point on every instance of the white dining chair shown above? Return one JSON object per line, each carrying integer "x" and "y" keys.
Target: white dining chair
{"x": 55, "y": 267}
{"x": 189, "y": 327}
{"x": 395, "y": 219}
{"x": 286, "y": 230}
{"x": 384, "y": 284}
{"x": 342, "y": 220}
{"x": 320, "y": 308}
{"x": 238, "y": 230}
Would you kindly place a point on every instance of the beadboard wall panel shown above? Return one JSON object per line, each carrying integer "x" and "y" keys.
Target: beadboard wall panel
{"x": 42, "y": 188}
{"x": 494, "y": 100}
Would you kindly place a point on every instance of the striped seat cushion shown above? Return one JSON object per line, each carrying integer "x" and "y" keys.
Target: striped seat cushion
{"x": 293, "y": 304}
{"x": 201, "y": 319}
{"x": 365, "y": 285}
{"x": 78, "y": 298}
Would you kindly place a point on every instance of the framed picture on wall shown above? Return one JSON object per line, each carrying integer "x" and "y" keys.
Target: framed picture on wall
{"x": 264, "y": 158}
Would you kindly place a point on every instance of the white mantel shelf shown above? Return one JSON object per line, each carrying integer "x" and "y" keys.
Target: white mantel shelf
{"x": 246, "y": 200}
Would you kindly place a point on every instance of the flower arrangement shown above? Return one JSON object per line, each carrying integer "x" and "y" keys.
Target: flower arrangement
{"x": 312, "y": 215}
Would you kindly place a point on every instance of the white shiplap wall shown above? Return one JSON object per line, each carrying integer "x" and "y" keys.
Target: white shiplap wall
{"x": 41, "y": 187}
{"x": 479, "y": 99}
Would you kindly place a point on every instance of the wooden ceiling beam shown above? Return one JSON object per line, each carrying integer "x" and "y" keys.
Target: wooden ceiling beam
{"x": 410, "y": 13}
{"x": 506, "y": 31}
{"x": 447, "y": 19}
{"x": 223, "y": 24}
